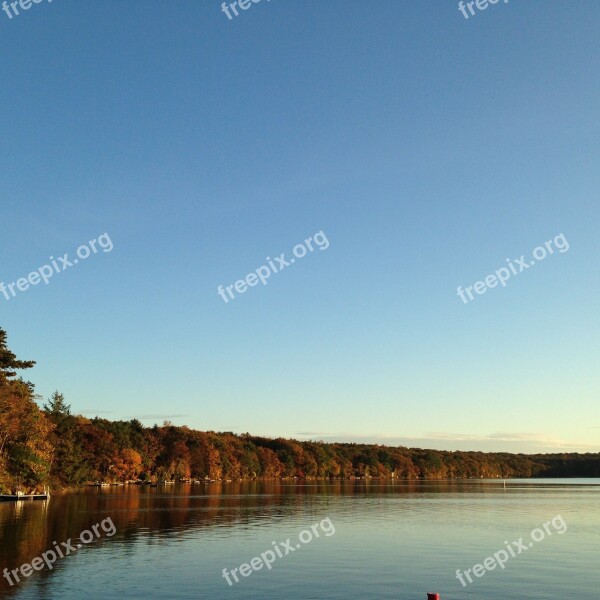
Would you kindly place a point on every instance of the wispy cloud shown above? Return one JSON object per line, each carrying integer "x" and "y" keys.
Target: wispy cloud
{"x": 157, "y": 417}
{"x": 525, "y": 442}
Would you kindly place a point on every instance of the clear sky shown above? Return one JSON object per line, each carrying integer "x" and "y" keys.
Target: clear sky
{"x": 427, "y": 147}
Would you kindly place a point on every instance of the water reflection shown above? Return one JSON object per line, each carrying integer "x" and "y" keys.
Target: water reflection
{"x": 28, "y": 529}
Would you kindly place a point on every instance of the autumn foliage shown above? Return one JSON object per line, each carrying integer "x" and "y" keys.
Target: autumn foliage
{"x": 50, "y": 446}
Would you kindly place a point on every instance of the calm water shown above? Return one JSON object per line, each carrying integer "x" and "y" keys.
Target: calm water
{"x": 392, "y": 540}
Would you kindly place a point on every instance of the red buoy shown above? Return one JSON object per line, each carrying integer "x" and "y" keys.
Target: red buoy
{"x": 433, "y": 597}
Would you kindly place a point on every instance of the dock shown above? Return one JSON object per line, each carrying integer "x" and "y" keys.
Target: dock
{"x": 21, "y": 497}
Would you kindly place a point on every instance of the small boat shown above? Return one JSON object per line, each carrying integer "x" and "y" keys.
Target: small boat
{"x": 20, "y": 496}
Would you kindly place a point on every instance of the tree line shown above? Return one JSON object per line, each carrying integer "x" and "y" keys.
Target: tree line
{"x": 50, "y": 446}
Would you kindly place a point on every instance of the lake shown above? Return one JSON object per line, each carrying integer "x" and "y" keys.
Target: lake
{"x": 347, "y": 540}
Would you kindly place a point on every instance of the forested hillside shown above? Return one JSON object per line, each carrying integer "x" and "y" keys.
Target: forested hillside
{"x": 50, "y": 446}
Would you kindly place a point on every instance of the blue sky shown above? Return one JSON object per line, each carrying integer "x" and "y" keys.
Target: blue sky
{"x": 428, "y": 148}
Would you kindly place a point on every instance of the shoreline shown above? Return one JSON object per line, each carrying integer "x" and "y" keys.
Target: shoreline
{"x": 489, "y": 480}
